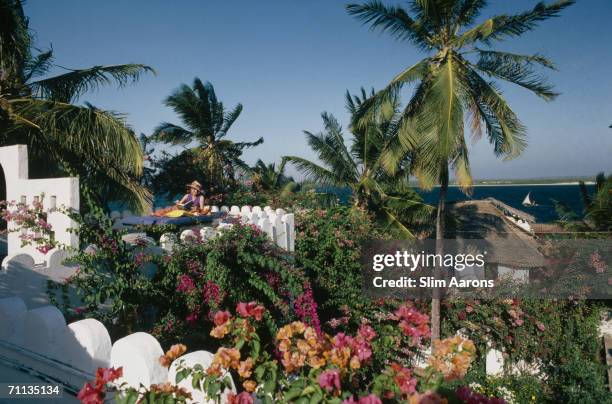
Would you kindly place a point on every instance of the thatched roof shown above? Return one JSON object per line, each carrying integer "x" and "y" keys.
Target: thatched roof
{"x": 510, "y": 211}
{"x": 507, "y": 244}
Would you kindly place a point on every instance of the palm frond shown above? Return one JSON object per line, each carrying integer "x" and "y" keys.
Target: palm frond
{"x": 468, "y": 11}
{"x": 98, "y": 143}
{"x": 68, "y": 87}
{"x": 38, "y": 65}
{"x": 504, "y": 129}
{"x": 15, "y": 39}
{"x": 315, "y": 172}
{"x": 369, "y": 108}
{"x": 503, "y": 26}
{"x": 393, "y": 20}
{"x": 229, "y": 119}
{"x": 517, "y": 69}
{"x": 170, "y": 133}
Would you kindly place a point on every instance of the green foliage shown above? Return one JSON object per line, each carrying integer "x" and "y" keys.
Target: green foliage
{"x": 451, "y": 82}
{"x": 560, "y": 336}
{"x": 64, "y": 138}
{"x": 206, "y": 124}
{"x": 328, "y": 246}
{"x": 388, "y": 197}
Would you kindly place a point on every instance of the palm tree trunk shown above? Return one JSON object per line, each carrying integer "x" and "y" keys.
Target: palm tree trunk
{"x": 440, "y": 229}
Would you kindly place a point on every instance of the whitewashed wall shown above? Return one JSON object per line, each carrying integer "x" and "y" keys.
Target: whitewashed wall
{"x": 57, "y": 192}
{"x": 82, "y": 346}
{"x": 278, "y": 224}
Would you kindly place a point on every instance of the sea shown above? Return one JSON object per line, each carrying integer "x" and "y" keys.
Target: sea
{"x": 513, "y": 194}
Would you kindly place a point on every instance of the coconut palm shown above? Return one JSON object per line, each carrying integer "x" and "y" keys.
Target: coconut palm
{"x": 453, "y": 83}
{"x": 206, "y": 124}
{"x": 597, "y": 208}
{"x": 64, "y": 138}
{"x": 267, "y": 177}
{"x": 388, "y": 197}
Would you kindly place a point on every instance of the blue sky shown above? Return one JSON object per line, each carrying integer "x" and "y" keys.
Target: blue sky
{"x": 287, "y": 61}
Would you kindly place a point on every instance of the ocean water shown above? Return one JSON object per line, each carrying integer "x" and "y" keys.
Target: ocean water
{"x": 513, "y": 195}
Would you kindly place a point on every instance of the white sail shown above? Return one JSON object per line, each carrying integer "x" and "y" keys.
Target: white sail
{"x": 527, "y": 201}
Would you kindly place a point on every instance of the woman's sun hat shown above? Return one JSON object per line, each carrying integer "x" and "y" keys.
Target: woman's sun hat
{"x": 195, "y": 185}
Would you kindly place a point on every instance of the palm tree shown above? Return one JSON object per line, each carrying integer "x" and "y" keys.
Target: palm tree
{"x": 451, "y": 83}
{"x": 388, "y": 197}
{"x": 38, "y": 110}
{"x": 597, "y": 208}
{"x": 207, "y": 123}
{"x": 267, "y": 177}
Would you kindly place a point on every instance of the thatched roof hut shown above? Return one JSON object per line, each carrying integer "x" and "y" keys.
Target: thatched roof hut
{"x": 487, "y": 222}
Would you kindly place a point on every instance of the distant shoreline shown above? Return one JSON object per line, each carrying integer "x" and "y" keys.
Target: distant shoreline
{"x": 518, "y": 184}
{"x": 513, "y": 184}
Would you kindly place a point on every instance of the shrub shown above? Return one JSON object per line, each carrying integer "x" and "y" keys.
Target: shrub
{"x": 298, "y": 364}
{"x": 241, "y": 264}
{"x": 559, "y": 336}
{"x": 328, "y": 247}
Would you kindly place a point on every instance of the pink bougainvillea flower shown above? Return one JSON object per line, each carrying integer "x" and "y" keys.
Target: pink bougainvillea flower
{"x": 107, "y": 375}
{"x": 186, "y": 284}
{"x": 540, "y": 326}
{"x": 222, "y": 317}
{"x": 403, "y": 378}
{"x": 90, "y": 395}
{"x": 330, "y": 380}
{"x": 367, "y": 332}
{"x": 371, "y": 399}
{"x": 251, "y": 309}
{"x": 242, "y": 398}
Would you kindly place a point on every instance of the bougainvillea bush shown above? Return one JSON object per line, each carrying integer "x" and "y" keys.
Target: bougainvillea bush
{"x": 328, "y": 246}
{"x": 30, "y": 221}
{"x": 558, "y": 337}
{"x": 301, "y": 365}
{"x": 135, "y": 287}
{"x": 241, "y": 264}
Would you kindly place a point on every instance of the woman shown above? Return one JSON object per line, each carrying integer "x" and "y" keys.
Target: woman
{"x": 194, "y": 200}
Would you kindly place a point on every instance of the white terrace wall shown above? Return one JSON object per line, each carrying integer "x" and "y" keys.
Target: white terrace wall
{"x": 72, "y": 352}
{"x": 58, "y": 192}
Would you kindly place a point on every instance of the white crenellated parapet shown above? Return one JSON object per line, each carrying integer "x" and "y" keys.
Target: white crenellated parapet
{"x": 289, "y": 221}
{"x": 139, "y": 355}
{"x": 57, "y": 193}
{"x": 225, "y": 209}
{"x": 214, "y": 209}
{"x": 207, "y": 233}
{"x": 234, "y": 211}
{"x": 188, "y": 236}
{"x": 12, "y": 317}
{"x": 494, "y": 363}
{"x": 22, "y": 277}
{"x": 167, "y": 241}
{"x": 85, "y": 346}
{"x": 257, "y": 209}
{"x": 43, "y": 329}
{"x": 191, "y": 359}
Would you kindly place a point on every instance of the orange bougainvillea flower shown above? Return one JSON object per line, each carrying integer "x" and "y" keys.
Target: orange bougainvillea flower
{"x": 245, "y": 368}
{"x": 249, "y": 385}
{"x": 452, "y": 357}
{"x": 174, "y": 352}
{"x": 227, "y": 358}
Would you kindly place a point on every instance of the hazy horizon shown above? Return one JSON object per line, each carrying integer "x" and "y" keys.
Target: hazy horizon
{"x": 287, "y": 62}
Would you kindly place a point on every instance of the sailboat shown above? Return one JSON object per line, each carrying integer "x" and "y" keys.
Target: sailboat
{"x": 528, "y": 201}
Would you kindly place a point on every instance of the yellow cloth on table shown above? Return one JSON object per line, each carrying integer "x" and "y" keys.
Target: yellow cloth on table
{"x": 178, "y": 213}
